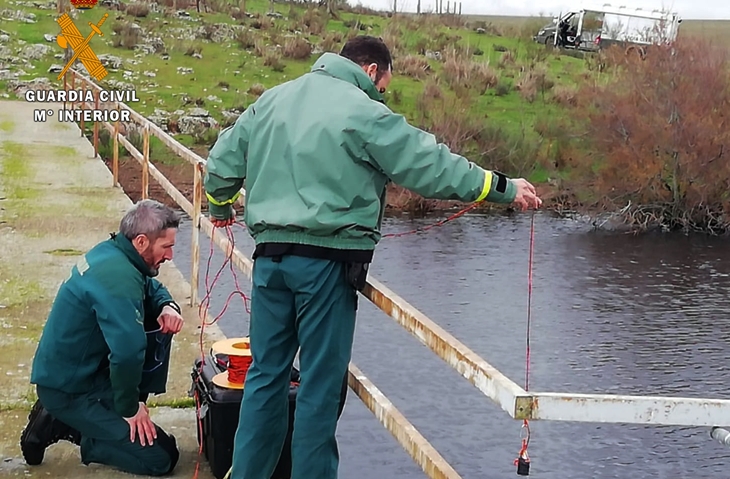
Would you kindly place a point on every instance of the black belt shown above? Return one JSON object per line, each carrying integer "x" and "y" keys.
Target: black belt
{"x": 273, "y": 250}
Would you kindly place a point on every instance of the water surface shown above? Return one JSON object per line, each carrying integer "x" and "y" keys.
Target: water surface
{"x": 611, "y": 313}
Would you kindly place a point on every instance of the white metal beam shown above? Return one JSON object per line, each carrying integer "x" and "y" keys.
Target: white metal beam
{"x": 624, "y": 409}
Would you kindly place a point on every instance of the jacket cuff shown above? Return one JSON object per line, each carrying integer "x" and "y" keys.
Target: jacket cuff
{"x": 502, "y": 189}
{"x": 220, "y": 212}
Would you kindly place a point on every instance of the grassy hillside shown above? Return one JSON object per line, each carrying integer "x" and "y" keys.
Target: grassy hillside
{"x": 501, "y": 79}
{"x": 480, "y": 84}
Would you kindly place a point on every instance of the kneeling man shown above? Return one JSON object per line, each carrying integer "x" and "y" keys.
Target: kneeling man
{"x": 105, "y": 347}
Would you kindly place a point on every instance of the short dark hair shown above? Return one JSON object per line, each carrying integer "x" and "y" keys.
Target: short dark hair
{"x": 364, "y": 50}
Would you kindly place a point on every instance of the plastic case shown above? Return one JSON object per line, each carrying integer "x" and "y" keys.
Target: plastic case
{"x": 219, "y": 410}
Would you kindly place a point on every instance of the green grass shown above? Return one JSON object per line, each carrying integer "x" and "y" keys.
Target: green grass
{"x": 228, "y": 63}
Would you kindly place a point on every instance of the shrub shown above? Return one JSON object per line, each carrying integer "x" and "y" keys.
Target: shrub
{"x": 297, "y": 48}
{"x": 412, "y": 66}
{"x": 138, "y": 10}
{"x": 663, "y": 128}
{"x": 466, "y": 74}
{"x": 332, "y": 42}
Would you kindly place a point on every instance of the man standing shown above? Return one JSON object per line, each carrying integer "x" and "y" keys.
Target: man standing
{"x": 105, "y": 347}
{"x": 316, "y": 154}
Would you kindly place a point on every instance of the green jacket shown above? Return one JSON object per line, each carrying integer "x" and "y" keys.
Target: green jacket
{"x": 95, "y": 329}
{"x": 317, "y": 153}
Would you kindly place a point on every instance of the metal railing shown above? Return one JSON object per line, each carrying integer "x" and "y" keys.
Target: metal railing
{"x": 512, "y": 398}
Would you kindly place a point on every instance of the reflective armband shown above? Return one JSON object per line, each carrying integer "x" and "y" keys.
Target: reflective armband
{"x": 502, "y": 189}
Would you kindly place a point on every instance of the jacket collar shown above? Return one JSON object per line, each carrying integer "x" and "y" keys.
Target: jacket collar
{"x": 126, "y": 246}
{"x": 344, "y": 69}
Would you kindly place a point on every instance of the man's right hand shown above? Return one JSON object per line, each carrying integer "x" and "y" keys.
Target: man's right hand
{"x": 526, "y": 195}
{"x": 222, "y": 223}
{"x": 141, "y": 424}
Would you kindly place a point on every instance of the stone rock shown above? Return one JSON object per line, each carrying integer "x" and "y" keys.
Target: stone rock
{"x": 150, "y": 74}
{"x": 275, "y": 15}
{"x": 184, "y": 71}
{"x": 35, "y": 52}
{"x": 4, "y": 38}
{"x": 197, "y": 55}
{"x": 110, "y": 61}
{"x": 433, "y": 55}
{"x": 19, "y": 15}
{"x": 213, "y": 98}
{"x": 195, "y": 120}
{"x": 160, "y": 118}
{"x": 55, "y": 69}
{"x": 49, "y": 38}
{"x": 481, "y": 31}
{"x": 6, "y": 74}
{"x": 230, "y": 116}
{"x": 19, "y": 87}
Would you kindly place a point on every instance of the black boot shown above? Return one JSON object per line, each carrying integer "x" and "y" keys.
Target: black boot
{"x": 42, "y": 431}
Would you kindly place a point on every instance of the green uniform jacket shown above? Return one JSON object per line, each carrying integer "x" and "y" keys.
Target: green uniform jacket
{"x": 317, "y": 153}
{"x": 97, "y": 322}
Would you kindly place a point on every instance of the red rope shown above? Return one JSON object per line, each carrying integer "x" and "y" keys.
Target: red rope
{"x": 525, "y": 424}
{"x": 458, "y": 214}
{"x": 238, "y": 368}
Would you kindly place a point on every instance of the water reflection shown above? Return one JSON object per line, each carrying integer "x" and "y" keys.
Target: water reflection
{"x": 611, "y": 314}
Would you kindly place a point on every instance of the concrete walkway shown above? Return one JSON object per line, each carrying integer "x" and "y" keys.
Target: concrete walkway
{"x": 56, "y": 202}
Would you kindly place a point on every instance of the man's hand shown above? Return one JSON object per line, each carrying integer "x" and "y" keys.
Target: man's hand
{"x": 222, "y": 223}
{"x": 170, "y": 320}
{"x": 526, "y": 195}
{"x": 141, "y": 425}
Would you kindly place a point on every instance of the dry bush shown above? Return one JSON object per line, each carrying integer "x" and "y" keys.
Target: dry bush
{"x": 534, "y": 82}
{"x": 664, "y": 131}
{"x": 332, "y": 42}
{"x": 465, "y": 74}
{"x": 138, "y": 10}
{"x": 262, "y": 23}
{"x": 565, "y": 95}
{"x": 126, "y": 36}
{"x": 257, "y": 89}
{"x": 297, "y": 48}
{"x": 246, "y": 39}
{"x": 412, "y": 66}
{"x": 259, "y": 47}
{"x": 273, "y": 59}
{"x": 314, "y": 21}
{"x": 449, "y": 118}
{"x": 393, "y": 38}
{"x": 507, "y": 58}
{"x": 238, "y": 14}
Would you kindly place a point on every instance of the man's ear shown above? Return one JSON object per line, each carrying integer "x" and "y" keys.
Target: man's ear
{"x": 141, "y": 242}
{"x": 372, "y": 69}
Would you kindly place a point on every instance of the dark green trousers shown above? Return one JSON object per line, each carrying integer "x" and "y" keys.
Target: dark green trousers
{"x": 296, "y": 303}
{"x": 104, "y": 432}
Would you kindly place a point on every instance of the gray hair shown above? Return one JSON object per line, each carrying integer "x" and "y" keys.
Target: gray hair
{"x": 149, "y": 218}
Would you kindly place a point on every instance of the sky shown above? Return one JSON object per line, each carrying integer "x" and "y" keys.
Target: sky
{"x": 689, "y": 9}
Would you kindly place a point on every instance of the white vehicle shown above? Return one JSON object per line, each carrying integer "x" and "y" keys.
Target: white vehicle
{"x": 600, "y": 26}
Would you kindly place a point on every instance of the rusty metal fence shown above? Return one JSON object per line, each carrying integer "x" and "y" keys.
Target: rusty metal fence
{"x": 513, "y": 399}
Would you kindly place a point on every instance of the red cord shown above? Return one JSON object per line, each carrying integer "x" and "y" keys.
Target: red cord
{"x": 459, "y": 213}
{"x": 238, "y": 368}
{"x": 525, "y": 424}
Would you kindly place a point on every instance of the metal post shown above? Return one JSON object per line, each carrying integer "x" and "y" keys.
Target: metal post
{"x": 96, "y": 125}
{"x": 65, "y": 85}
{"x": 197, "y": 205}
{"x": 145, "y": 161}
{"x": 115, "y": 161}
